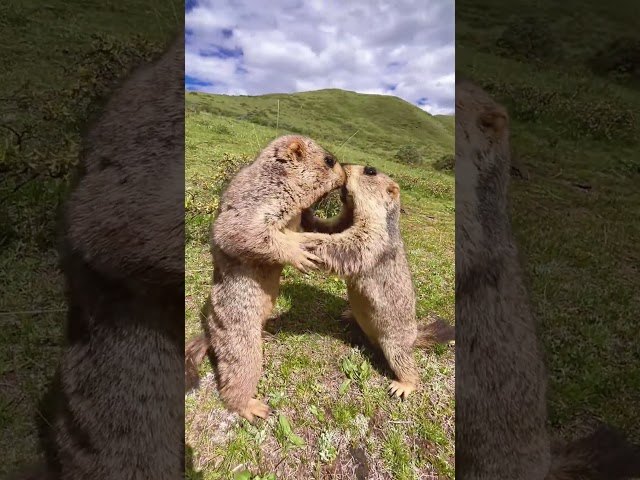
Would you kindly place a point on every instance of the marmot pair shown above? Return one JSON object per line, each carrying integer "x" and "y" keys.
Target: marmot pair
{"x": 256, "y": 233}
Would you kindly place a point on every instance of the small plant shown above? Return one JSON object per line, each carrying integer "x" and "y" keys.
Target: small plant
{"x": 285, "y": 434}
{"x": 630, "y": 165}
{"x": 247, "y": 475}
{"x": 362, "y": 424}
{"x": 356, "y": 369}
{"x": 259, "y": 435}
{"x": 258, "y": 117}
{"x": 277, "y": 399}
{"x": 408, "y": 155}
{"x": 326, "y": 446}
{"x": 316, "y": 412}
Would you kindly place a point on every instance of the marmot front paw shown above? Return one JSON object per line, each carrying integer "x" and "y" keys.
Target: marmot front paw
{"x": 305, "y": 261}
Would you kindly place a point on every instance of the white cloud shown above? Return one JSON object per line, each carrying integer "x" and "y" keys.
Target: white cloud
{"x": 393, "y": 47}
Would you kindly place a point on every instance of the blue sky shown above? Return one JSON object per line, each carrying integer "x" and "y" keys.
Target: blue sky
{"x": 393, "y": 47}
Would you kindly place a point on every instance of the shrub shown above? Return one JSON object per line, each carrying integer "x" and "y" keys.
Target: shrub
{"x": 258, "y": 117}
{"x": 445, "y": 163}
{"x": 202, "y": 195}
{"x": 604, "y": 120}
{"x": 209, "y": 187}
{"x": 618, "y": 59}
{"x": 529, "y": 38}
{"x": 408, "y": 155}
{"x": 630, "y": 165}
{"x": 221, "y": 129}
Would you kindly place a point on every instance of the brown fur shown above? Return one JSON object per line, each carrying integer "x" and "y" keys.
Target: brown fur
{"x": 115, "y": 409}
{"x": 501, "y": 412}
{"x": 194, "y": 354}
{"x": 438, "y": 331}
{"x": 370, "y": 255}
{"x": 250, "y": 248}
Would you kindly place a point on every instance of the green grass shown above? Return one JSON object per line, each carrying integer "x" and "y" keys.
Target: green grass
{"x": 575, "y": 219}
{"x": 330, "y": 388}
{"x": 58, "y": 60}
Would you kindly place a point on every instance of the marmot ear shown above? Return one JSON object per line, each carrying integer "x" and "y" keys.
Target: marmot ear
{"x": 495, "y": 120}
{"x": 296, "y": 149}
{"x": 393, "y": 190}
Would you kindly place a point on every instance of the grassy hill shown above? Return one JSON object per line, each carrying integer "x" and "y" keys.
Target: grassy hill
{"x": 383, "y": 123}
{"x": 344, "y": 426}
{"x": 576, "y": 131}
{"x": 448, "y": 121}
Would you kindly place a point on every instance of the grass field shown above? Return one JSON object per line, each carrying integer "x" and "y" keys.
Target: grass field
{"x": 576, "y": 217}
{"x": 332, "y": 418}
{"x": 58, "y": 59}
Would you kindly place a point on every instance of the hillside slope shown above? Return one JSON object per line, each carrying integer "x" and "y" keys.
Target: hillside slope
{"x": 317, "y": 374}
{"x": 384, "y": 123}
{"x": 448, "y": 121}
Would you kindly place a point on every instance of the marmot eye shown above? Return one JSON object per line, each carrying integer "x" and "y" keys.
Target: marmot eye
{"x": 330, "y": 161}
{"x": 370, "y": 171}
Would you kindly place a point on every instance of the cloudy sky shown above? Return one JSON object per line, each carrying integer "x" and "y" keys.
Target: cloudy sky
{"x": 393, "y": 47}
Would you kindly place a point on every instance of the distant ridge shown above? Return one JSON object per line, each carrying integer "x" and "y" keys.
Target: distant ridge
{"x": 388, "y": 122}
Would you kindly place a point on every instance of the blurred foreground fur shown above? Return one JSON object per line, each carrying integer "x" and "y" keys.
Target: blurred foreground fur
{"x": 501, "y": 381}
{"x": 115, "y": 408}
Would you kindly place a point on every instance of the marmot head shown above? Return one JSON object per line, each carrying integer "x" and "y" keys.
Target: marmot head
{"x": 370, "y": 192}
{"x": 482, "y": 159}
{"x": 311, "y": 169}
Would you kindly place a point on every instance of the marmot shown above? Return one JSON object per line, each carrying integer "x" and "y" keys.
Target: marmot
{"x": 363, "y": 244}
{"x": 115, "y": 408}
{"x": 250, "y": 248}
{"x": 501, "y": 412}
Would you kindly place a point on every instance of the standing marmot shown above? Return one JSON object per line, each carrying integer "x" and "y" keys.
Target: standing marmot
{"x": 250, "y": 247}
{"x": 370, "y": 255}
{"x": 501, "y": 414}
